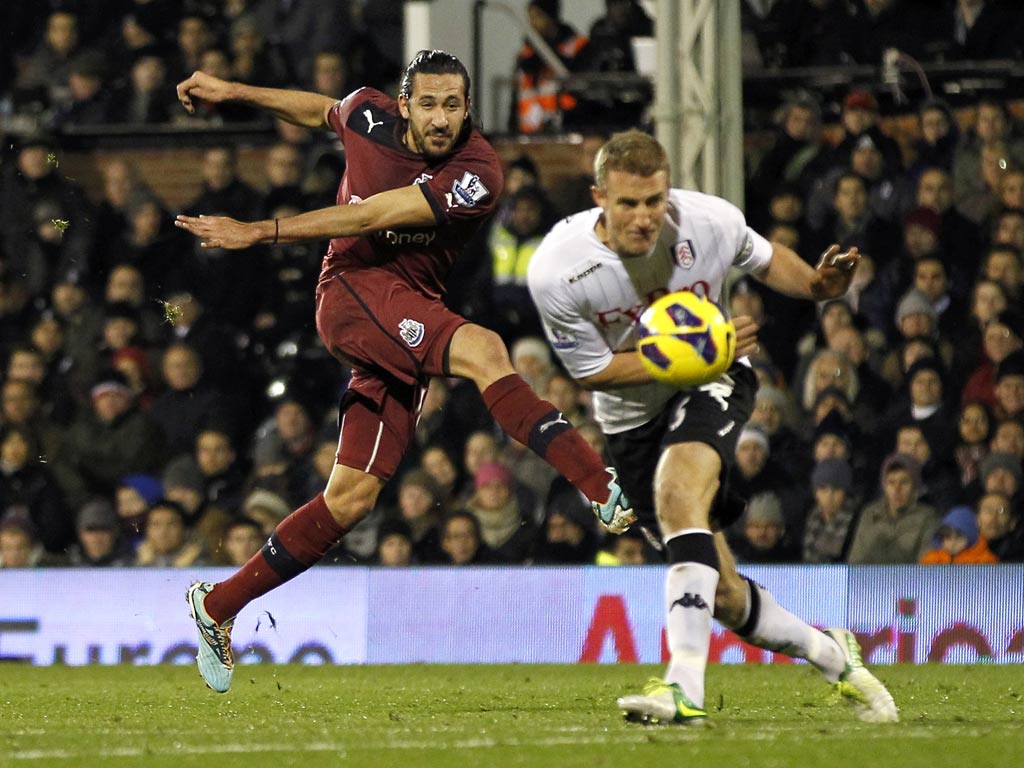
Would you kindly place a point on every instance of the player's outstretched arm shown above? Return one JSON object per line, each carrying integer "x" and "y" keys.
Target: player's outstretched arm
{"x": 789, "y": 274}
{"x": 403, "y": 207}
{"x": 298, "y": 107}
{"x": 626, "y": 370}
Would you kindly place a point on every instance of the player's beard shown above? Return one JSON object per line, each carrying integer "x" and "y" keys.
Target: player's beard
{"x": 426, "y": 147}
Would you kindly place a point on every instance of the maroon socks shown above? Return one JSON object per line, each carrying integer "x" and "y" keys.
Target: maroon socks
{"x": 299, "y": 541}
{"x": 539, "y": 425}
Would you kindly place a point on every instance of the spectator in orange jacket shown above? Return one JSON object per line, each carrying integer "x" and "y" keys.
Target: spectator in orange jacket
{"x": 957, "y": 541}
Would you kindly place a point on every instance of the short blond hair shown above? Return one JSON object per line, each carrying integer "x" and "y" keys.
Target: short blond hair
{"x": 631, "y": 151}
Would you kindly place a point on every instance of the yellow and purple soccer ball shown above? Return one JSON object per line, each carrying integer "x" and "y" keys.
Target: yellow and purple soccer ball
{"x": 685, "y": 340}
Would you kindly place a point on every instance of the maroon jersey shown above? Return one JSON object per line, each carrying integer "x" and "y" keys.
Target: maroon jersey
{"x": 462, "y": 189}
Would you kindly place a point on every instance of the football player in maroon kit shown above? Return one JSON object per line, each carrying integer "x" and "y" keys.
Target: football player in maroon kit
{"x": 419, "y": 181}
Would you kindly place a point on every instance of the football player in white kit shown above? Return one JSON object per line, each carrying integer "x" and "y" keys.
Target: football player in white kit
{"x": 591, "y": 278}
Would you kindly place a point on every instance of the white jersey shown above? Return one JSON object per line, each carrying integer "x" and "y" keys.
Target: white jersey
{"x": 590, "y": 299}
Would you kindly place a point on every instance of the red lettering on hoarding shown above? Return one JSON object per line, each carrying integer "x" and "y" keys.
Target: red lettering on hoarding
{"x": 609, "y": 619}
{"x": 1016, "y": 642}
{"x": 906, "y": 635}
{"x": 871, "y": 641}
{"x": 960, "y": 634}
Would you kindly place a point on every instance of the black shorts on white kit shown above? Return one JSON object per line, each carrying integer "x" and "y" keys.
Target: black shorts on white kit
{"x": 713, "y": 414}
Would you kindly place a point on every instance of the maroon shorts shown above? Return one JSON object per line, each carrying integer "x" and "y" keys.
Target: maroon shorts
{"x": 395, "y": 339}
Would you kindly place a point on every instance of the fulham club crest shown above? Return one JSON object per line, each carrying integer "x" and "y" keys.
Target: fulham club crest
{"x": 686, "y": 255}
{"x": 411, "y": 331}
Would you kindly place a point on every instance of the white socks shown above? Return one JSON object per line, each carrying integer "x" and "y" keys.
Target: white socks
{"x": 690, "y": 586}
{"x": 776, "y": 629}
{"x": 689, "y": 602}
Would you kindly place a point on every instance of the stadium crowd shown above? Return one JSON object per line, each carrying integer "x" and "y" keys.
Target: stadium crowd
{"x": 163, "y": 404}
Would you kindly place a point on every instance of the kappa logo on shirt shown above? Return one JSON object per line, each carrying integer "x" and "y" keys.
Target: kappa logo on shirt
{"x": 586, "y": 273}
{"x": 411, "y": 331}
{"x": 467, "y": 192}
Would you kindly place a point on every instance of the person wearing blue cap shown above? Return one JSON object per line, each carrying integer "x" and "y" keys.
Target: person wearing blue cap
{"x": 957, "y": 541}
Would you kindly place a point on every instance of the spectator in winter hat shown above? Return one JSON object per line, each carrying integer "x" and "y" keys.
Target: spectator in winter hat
{"x": 761, "y": 537}
{"x": 832, "y": 400}
{"x": 113, "y": 439}
{"x": 925, "y": 407}
{"x": 896, "y": 527}
{"x": 830, "y": 520}
{"x": 752, "y": 451}
{"x": 859, "y": 119}
{"x": 134, "y": 495}
{"x": 915, "y": 315}
{"x": 1001, "y": 473}
{"x": 183, "y": 483}
{"x": 922, "y": 232}
{"x": 772, "y": 412}
{"x": 266, "y": 508}
{"x": 99, "y": 537}
{"x": 531, "y": 357}
{"x": 833, "y": 438}
{"x": 503, "y": 527}
{"x": 957, "y": 541}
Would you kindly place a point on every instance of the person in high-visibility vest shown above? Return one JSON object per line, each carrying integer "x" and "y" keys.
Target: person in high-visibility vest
{"x": 539, "y": 102}
{"x": 521, "y": 224}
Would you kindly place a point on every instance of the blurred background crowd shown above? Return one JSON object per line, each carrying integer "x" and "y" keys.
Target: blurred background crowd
{"x": 166, "y": 405}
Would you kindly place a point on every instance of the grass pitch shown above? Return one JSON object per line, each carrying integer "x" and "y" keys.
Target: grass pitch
{"x": 469, "y": 716}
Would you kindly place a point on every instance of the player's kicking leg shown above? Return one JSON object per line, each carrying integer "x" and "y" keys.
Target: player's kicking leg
{"x": 301, "y": 540}
{"x": 215, "y": 658}
{"x": 480, "y": 355}
{"x": 752, "y": 612}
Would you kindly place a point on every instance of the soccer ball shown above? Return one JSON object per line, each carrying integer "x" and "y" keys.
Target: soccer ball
{"x": 685, "y": 340}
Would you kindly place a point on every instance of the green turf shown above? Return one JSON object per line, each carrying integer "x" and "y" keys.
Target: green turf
{"x": 469, "y": 716}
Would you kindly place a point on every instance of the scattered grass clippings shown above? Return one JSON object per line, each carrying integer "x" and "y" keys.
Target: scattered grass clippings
{"x": 172, "y": 311}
